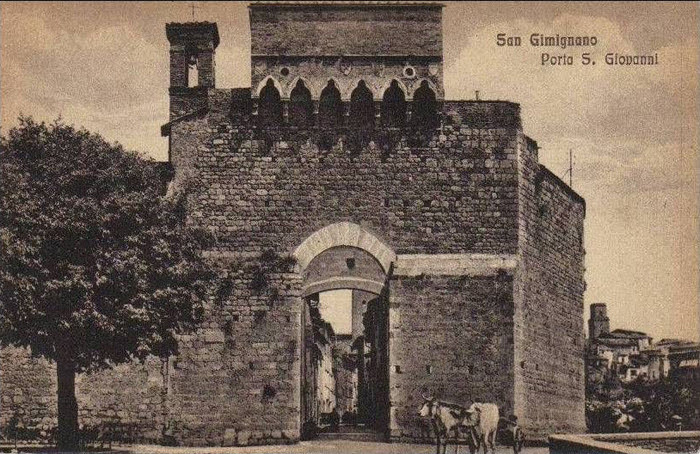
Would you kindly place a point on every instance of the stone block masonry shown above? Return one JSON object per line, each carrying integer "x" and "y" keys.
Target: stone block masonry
{"x": 486, "y": 289}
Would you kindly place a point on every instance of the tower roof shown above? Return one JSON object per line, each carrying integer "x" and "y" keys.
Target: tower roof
{"x": 192, "y": 31}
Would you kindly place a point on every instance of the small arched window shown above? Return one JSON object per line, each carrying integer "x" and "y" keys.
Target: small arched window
{"x": 301, "y": 108}
{"x": 270, "y": 108}
{"x": 361, "y": 107}
{"x": 424, "y": 106}
{"x": 330, "y": 107}
{"x": 394, "y": 106}
{"x": 192, "y": 70}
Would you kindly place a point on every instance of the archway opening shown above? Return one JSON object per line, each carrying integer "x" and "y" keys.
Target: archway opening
{"x": 270, "y": 110}
{"x": 345, "y": 349}
{"x": 330, "y": 107}
{"x": 424, "y": 107}
{"x": 301, "y": 107}
{"x": 192, "y": 70}
{"x": 361, "y": 106}
{"x": 394, "y": 106}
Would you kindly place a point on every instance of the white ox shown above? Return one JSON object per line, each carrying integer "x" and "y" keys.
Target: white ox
{"x": 482, "y": 419}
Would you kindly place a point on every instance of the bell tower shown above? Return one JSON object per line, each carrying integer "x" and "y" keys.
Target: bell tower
{"x": 599, "y": 323}
{"x": 192, "y": 50}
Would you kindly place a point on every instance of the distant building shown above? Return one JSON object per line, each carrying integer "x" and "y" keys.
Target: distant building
{"x": 684, "y": 359}
{"x": 599, "y": 323}
{"x": 345, "y": 369}
{"x": 632, "y": 354}
{"x": 319, "y": 383}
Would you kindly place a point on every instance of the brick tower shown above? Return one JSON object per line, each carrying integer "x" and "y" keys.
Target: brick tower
{"x": 599, "y": 323}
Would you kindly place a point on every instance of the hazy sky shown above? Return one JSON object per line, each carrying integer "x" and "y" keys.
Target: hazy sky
{"x": 335, "y": 307}
{"x": 634, "y": 130}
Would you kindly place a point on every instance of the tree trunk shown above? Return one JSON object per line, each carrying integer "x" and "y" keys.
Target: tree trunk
{"x": 67, "y": 406}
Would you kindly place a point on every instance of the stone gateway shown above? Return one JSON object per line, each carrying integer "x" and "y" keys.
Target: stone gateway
{"x": 343, "y": 166}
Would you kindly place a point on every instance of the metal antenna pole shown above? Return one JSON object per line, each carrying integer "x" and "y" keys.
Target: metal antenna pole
{"x": 571, "y": 168}
{"x": 193, "y": 6}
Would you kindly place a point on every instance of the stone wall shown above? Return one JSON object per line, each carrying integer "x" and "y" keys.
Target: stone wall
{"x": 312, "y": 30}
{"x": 446, "y": 191}
{"x": 549, "y": 354}
{"x": 28, "y": 392}
{"x": 124, "y": 404}
{"x": 131, "y": 408}
{"x": 451, "y": 336}
{"x": 237, "y": 381}
{"x": 485, "y": 298}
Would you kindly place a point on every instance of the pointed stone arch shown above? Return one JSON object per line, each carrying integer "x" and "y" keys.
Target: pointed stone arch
{"x": 263, "y": 83}
{"x": 313, "y": 89}
{"x": 393, "y": 110}
{"x": 344, "y": 234}
{"x": 270, "y": 110}
{"x": 418, "y": 84}
{"x": 301, "y": 108}
{"x": 402, "y": 87}
{"x": 339, "y": 85}
{"x": 425, "y": 106}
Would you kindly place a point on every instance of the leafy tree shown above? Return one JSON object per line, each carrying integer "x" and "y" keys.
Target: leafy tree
{"x": 97, "y": 268}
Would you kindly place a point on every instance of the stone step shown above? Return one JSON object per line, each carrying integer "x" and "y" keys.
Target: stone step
{"x": 352, "y": 436}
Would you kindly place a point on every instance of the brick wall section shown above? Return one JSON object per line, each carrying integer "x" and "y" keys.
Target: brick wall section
{"x": 184, "y": 101}
{"x": 237, "y": 380}
{"x": 28, "y": 391}
{"x": 131, "y": 408}
{"x": 125, "y": 403}
{"x": 549, "y": 317}
{"x": 314, "y": 31}
{"x": 462, "y": 327}
{"x": 449, "y": 192}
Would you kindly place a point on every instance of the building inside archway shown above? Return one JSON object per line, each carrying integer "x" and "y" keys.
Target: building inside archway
{"x": 345, "y": 343}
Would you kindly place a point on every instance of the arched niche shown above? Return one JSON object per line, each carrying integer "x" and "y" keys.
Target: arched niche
{"x": 394, "y": 106}
{"x": 362, "y": 106}
{"x": 425, "y": 106}
{"x": 301, "y": 108}
{"x": 270, "y": 105}
{"x": 330, "y": 106}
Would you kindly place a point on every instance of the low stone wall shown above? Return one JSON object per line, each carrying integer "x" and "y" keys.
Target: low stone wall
{"x": 626, "y": 443}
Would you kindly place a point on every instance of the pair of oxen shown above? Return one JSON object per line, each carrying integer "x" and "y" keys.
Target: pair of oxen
{"x": 479, "y": 421}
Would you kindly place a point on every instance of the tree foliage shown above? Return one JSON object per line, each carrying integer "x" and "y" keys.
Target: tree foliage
{"x": 643, "y": 405}
{"x": 95, "y": 265}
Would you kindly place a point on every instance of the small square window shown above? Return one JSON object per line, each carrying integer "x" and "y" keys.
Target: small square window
{"x": 350, "y": 261}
